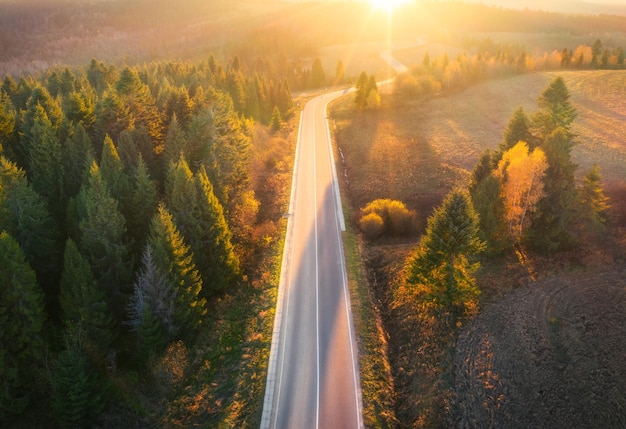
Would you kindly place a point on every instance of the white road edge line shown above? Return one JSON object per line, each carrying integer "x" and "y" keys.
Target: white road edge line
{"x": 266, "y": 416}
{"x": 342, "y": 222}
{"x": 317, "y": 286}
{"x": 342, "y": 227}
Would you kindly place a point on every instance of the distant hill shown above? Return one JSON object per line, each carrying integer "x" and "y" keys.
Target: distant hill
{"x": 593, "y": 7}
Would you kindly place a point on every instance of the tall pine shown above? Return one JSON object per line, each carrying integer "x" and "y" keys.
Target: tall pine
{"x": 442, "y": 268}
{"x": 84, "y": 305}
{"x": 21, "y": 320}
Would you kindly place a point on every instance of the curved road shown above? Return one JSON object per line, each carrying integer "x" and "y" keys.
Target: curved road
{"x": 313, "y": 378}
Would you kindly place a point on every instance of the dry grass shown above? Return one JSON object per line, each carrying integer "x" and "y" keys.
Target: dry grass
{"x": 416, "y": 151}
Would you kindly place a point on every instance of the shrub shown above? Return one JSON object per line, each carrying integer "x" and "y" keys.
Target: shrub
{"x": 372, "y": 225}
{"x": 396, "y": 219}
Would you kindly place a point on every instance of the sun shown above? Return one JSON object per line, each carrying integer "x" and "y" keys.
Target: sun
{"x": 387, "y": 4}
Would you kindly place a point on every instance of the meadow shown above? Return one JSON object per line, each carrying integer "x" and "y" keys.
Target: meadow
{"x": 416, "y": 151}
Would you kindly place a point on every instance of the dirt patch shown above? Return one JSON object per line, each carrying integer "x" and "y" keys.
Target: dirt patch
{"x": 545, "y": 356}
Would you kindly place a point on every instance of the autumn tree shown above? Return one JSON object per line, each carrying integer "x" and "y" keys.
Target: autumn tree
{"x": 441, "y": 271}
{"x": 21, "y": 320}
{"x": 521, "y": 174}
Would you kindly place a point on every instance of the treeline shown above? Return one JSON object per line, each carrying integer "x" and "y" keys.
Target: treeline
{"x": 493, "y": 60}
{"x": 126, "y": 207}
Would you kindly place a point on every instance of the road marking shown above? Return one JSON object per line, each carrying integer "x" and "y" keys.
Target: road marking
{"x": 342, "y": 222}
{"x": 346, "y": 293}
{"x": 317, "y": 299}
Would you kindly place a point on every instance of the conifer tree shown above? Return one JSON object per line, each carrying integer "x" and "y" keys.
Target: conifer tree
{"x": 489, "y": 204}
{"x": 552, "y": 222}
{"x": 113, "y": 174}
{"x": 24, "y": 215}
{"x": 174, "y": 258}
{"x": 102, "y": 240}
{"x": 441, "y": 270}
{"x": 143, "y": 203}
{"x": 276, "y": 120}
{"x": 362, "y": 90}
{"x": 210, "y": 239}
{"x": 555, "y": 111}
{"x": 39, "y": 98}
{"x": 112, "y": 117}
{"x": 593, "y": 201}
{"x": 77, "y": 156}
{"x": 22, "y": 316}
{"x": 8, "y": 120}
{"x": 175, "y": 142}
{"x": 517, "y": 130}
{"x": 77, "y": 396}
{"x": 152, "y": 307}
{"x": 318, "y": 76}
{"x": 84, "y": 305}
{"x": 46, "y": 164}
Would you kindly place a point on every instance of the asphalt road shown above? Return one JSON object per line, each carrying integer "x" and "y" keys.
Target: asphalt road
{"x": 313, "y": 378}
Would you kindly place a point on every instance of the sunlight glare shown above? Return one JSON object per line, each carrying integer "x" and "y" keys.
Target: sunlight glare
{"x": 387, "y": 4}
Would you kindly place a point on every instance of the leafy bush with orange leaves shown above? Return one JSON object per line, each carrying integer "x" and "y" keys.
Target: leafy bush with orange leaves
{"x": 387, "y": 217}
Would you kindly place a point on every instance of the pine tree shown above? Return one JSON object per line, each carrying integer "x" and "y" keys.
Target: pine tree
{"x": 8, "y": 120}
{"x": 276, "y": 120}
{"x": 174, "y": 258}
{"x": 84, "y": 304}
{"x": 175, "y": 142}
{"x": 77, "y": 155}
{"x": 489, "y": 204}
{"x": 318, "y": 76}
{"x": 143, "y": 203}
{"x": 441, "y": 269}
{"x": 210, "y": 240}
{"x": 556, "y": 211}
{"x": 517, "y": 130}
{"x": 340, "y": 73}
{"x": 593, "y": 202}
{"x": 103, "y": 241}
{"x": 77, "y": 396}
{"x": 113, "y": 174}
{"x": 555, "y": 110}
{"x": 24, "y": 215}
{"x": 46, "y": 164}
{"x": 40, "y": 100}
{"x": 22, "y": 316}
{"x": 362, "y": 91}
{"x": 152, "y": 307}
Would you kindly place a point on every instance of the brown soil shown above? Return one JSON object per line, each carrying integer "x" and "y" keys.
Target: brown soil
{"x": 550, "y": 355}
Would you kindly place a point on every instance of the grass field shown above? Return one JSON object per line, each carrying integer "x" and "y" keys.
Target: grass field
{"x": 418, "y": 150}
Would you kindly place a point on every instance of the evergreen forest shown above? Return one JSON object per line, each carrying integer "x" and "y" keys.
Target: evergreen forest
{"x": 128, "y": 210}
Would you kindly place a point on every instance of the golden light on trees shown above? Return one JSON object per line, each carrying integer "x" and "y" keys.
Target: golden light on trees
{"x": 522, "y": 175}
